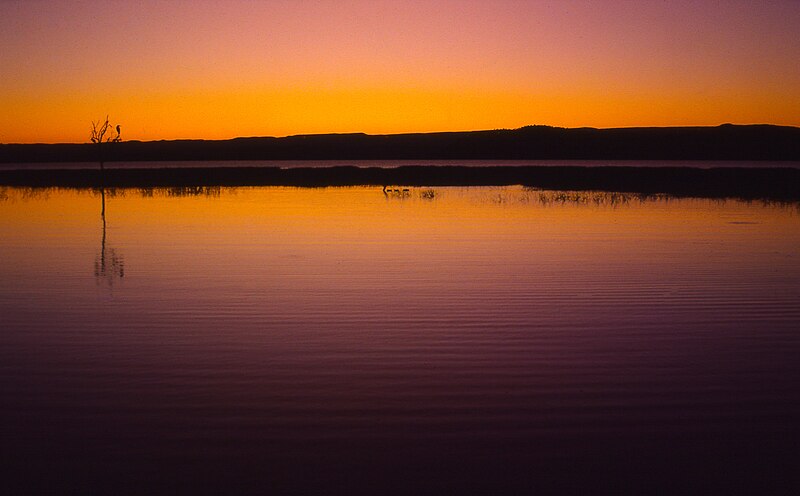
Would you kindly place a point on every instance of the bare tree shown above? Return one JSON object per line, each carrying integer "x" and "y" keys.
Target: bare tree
{"x": 102, "y": 134}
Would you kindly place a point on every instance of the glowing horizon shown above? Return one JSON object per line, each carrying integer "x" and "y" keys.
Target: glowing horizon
{"x": 171, "y": 70}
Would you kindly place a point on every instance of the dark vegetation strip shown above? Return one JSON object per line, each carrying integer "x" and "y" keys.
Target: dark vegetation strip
{"x": 726, "y": 142}
{"x": 771, "y": 183}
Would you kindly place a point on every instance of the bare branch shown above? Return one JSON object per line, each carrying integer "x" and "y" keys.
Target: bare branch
{"x": 101, "y": 134}
{"x": 95, "y": 135}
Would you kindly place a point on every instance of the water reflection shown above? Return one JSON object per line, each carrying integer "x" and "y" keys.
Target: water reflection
{"x": 181, "y": 191}
{"x": 396, "y": 192}
{"x": 109, "y": 265}
{"x": 509, "y": 195}
{"x": 487, "y": 335}
{"x": 594, "y": 198}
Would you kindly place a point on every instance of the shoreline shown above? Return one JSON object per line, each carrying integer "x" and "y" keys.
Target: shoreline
{"x": 768, "y": 183}
{"x": 760, "y": 142}
{"x": 394, "y": 163}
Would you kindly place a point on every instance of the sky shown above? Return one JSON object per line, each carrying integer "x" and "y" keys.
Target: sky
{"x": 217, "y": 70}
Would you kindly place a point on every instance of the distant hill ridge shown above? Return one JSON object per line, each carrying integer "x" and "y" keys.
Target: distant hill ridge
{"x": 725, "y": 142}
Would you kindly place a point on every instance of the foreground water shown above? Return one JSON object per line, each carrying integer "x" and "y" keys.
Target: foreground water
{"x": 339, "y": 339}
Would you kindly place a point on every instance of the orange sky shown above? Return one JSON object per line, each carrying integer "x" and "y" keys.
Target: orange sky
{"x": 168, "y": 70}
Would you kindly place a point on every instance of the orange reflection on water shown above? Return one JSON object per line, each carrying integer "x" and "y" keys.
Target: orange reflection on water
{"x": 361, "y": 229}
{"x": 473, "y": 325}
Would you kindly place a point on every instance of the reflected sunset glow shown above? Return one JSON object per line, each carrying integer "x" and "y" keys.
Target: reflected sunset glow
{"x": 467, "y": 338}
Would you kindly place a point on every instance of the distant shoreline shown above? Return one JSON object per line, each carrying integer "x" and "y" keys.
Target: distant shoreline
{"x": 393, "y": 163}
{"x": 725, "y": 142}
{"x": 781, "y": 184}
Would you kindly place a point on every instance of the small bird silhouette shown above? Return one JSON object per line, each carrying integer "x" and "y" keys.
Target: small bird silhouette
{"x": 117, "y": 128}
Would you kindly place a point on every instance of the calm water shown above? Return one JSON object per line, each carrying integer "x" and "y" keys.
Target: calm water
{"x": 289, "y": 164}
{"x": 454, "y": 340}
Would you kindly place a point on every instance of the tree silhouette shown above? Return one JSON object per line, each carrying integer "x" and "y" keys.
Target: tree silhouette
{"x": 101, "y": 134}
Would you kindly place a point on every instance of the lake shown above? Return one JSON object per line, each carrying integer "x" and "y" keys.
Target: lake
{"x": 291, "y": 164}
{"x": 444, "y": 340}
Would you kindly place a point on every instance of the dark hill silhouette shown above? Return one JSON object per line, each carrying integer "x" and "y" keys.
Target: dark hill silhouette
{"x": 725, "y": 142}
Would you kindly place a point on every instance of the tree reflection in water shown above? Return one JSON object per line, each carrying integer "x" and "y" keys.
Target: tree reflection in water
{"x": 108, "y": 265}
